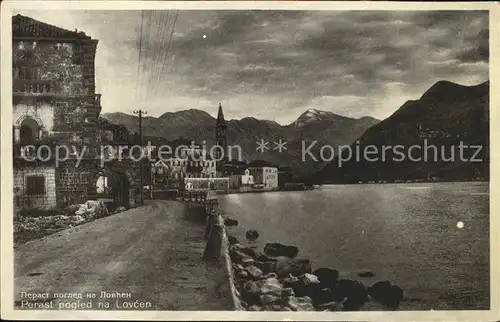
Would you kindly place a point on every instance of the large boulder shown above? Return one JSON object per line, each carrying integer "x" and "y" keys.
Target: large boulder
{"x": 267, "y": 267}
{"x": 285, "y": 266}
{"x": 229, "y": 222}
{"x": 97, "y": 208}
{"x": 120, "y": 209}
{"x": 252, "y": 235}
{"x": 77, "y": 219}
{"x": 239, "y": 257}
{"x": 232, "y": 240}
{"x": 242, "y": 275}
{"x": 270, "y": 285}
{"x": 300, "y": 303}
{"x": 305, "y": 285}
{"x": 253, "y": 272}
{"x": 327, "y": 277}
{"x": 308, "y": 279}
{"x": 263, "y": 257}
{"x": 321, "y": 296}
{"x": 352, "y": 293}
{"x": 250, "y": 292}
{"x": 246, "y": 250}
{"x": 287, "y": 292}
{"x": 277, "y": 249}
{"x": 254, "y": 308}
{"x": 387, "y": 294}
{"x": 290, "y": 280}
{"x": 92, "y": 209}
{"x": 82, "y": 210}
{"x": 270, "y": 298}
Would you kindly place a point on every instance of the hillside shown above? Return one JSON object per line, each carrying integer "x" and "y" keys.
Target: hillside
{"x": 445, "y": 115}
{"x": 198, "y": 125}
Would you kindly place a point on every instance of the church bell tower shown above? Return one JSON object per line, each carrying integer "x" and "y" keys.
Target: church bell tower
{"x": 221, "y": 138}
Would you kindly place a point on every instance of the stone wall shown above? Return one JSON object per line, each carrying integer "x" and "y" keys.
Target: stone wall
{"x": 57, "y": 64}
{"x": 217, "y": 244}
{"x": 47, "y": 200}
{"x": 72, "y": 182}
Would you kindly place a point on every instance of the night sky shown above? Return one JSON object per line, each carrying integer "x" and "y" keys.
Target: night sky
{"x": 276, "y": 64}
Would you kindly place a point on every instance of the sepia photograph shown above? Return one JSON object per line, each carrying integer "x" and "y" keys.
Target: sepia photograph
{"x": 288, "y": 158}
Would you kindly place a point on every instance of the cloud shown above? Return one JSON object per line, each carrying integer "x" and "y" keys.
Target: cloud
{"x": 276, "y": 64}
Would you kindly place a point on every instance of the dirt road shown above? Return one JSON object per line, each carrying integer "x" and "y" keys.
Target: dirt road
{"x": 151, "y": 254}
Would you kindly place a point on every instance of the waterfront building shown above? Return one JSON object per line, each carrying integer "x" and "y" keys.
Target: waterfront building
{"x": 188, "y": 162}
{"x": 265, "y": 176}
{"x": 218, "y": 184}
{"x": 237, "y": 181}
{"x": 54, "y": 103}
{"x": 247, "y": 179}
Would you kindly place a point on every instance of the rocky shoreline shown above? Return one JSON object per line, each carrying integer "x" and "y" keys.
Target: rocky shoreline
{"x": 275, "y": 279}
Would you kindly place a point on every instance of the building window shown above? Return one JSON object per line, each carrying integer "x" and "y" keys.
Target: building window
{"x": 26, "y": 73}
{"x": 29, "y": 131}
{"x": 35, "y": 185}
{"x": 68, "y": 119}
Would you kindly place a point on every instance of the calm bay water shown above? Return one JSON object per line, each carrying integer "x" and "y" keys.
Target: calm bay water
{"x": 404, "y": 233}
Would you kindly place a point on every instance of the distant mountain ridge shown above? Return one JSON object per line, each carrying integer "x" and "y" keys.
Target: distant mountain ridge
{"x": 197, "y": 125}
{"x": 446, "y": 115}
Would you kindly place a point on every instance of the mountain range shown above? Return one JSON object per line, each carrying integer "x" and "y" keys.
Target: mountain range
{"x": 445, "y": 116}
{"x": 197, "y": 125}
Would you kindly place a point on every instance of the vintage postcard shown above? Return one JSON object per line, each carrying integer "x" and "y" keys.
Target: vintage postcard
{"x": 239, "y": 160}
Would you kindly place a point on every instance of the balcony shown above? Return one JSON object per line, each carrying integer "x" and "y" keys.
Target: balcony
{"x": 45, "y": 88}
{"x": 33, "y": 87}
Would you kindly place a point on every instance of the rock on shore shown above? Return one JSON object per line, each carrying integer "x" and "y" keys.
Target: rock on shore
{"x": 277, "y": 249}
{"x": 276, "y": 280}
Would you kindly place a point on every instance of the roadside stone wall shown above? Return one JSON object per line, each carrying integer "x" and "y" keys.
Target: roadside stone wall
{"x": 72, "y": 183}
{"x": 217, "y": 247}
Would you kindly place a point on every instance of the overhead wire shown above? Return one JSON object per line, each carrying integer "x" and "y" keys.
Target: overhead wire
{"x": 165, "y": 59}
{"x": 162, "y": 58}
{"x": 158, "y": 52}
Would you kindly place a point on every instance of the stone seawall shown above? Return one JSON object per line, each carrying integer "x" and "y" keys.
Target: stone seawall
{"x": 235, "y": 295}
{"x": 217, "y": 244}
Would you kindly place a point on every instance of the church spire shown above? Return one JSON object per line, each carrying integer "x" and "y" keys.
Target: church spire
{"x": 220, "y": 139}
{"x": 220, "y": 115}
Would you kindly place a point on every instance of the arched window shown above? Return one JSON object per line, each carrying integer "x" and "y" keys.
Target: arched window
{"x": 29, "y": 131}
